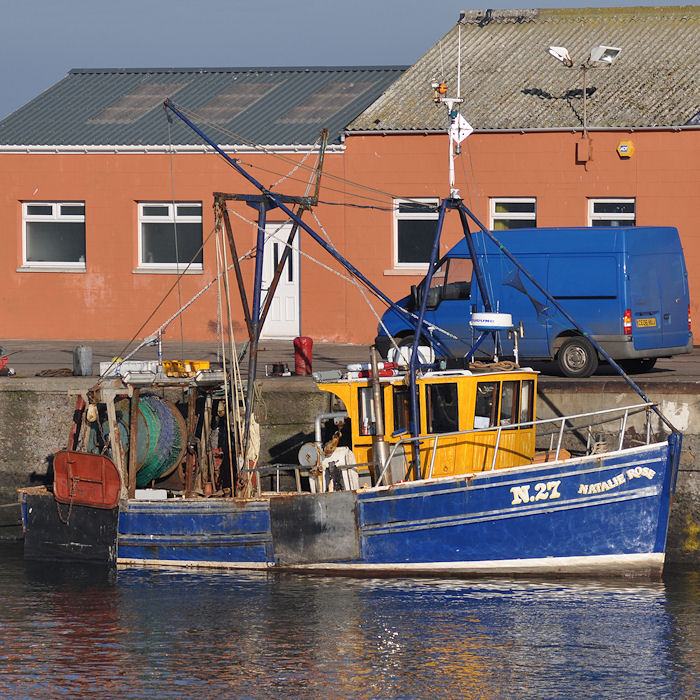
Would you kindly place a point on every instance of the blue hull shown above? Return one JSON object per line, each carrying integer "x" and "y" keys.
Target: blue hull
{"x": 595, "y": 514}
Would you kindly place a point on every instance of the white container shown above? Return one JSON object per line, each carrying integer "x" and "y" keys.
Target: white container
{"x": 151, "y": 494}
{"x": 120, "y": 368}
{"x": 426, "y": 355}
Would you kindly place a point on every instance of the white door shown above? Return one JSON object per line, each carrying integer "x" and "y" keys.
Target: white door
{"x": 283, "y": 317}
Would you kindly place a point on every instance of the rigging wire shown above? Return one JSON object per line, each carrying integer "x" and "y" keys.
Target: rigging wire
{"x": 360, "y": 288}
{"x": 295, "y": 168}
{"x": 221, "y": 263}
{"x": 478, "y": 235}
{"x": 194, "y": 116}
{"x": 164, "y": 298}
{"x": 177, "y": 252}
{"x": 345, "y": 276}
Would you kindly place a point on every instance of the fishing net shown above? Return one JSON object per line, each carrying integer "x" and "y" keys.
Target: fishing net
{"x": 170, "y": 439}
{"x": 161, "y": 441}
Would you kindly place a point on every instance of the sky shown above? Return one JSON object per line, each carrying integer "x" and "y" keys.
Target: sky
{"x": 43, "y": 39}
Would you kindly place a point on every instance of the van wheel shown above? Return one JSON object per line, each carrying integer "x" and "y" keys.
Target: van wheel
{"x": 638, "y": 366}
{"x": 577, "y": 358}
{"x": 406, "y": 341}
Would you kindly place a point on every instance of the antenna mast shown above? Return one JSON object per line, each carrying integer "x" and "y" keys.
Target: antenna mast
{"x": 459, "y": 127}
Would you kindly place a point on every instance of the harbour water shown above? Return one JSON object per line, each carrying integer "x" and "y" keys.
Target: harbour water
{"x": 86, "y": 632}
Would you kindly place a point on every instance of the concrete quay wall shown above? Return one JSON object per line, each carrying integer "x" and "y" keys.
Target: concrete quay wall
{"x": 35, "y": 415}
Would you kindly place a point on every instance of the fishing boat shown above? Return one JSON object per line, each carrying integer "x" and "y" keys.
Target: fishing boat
{"x": 428, "y": 465}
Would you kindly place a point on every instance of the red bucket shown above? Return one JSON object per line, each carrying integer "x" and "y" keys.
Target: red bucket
{"x": 302, "y": 355}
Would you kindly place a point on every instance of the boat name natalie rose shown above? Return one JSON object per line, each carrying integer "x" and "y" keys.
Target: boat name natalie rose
{"x": 634, "y": 473}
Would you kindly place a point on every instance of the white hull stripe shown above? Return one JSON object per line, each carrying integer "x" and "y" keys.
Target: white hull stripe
{"x": 604, "y": 563}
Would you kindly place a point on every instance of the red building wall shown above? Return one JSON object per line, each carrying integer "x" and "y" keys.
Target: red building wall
{"x": 111, "y": 301}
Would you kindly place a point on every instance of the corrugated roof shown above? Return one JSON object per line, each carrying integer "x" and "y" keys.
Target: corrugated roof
{"x": 509, "y": 81}
{"x": 268, "y": 106}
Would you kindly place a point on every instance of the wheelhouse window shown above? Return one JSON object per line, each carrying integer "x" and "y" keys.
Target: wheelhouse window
{"x": 612, "y": 212}
{"x": 503, "y": 403}
{"x": 402, "y": 412}
{"x": 510, "y": 403}
{"x": 526, "y": 401}
{"x": 365, "y": 411}
{"x": 486, "y": 404}
{"x": 54, "y": 235}
{"x": 415, "y": 221}
{"x": 170, "y": 236}
{"x": 513, "y": 212}
{"x": 442, "y": 408}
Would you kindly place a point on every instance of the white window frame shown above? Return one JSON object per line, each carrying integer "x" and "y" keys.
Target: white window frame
{"x": 166, "y": 267}
{"x": 412, "y": 216}
{"x": 495, "y": 216}
{"x": 56, "y": 215}
{"x": 603, "y": 216}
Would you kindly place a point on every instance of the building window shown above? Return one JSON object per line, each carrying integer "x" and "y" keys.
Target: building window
{"x": 415, "y": 221}
{"x": 612, "y": 212}
{"x": 54, "y": 235}
{"x": 513, "y": 212}
{"x": 170, "y": 235}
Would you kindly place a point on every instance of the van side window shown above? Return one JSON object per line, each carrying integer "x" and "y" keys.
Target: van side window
{"x": 458, "y": 282}
{"x": 510, "y": 402}
{"x": 526, "y": 400}
{"x": 437, "y": 284}
{"x": 401, "y": 401}
{"x": 443, "y": 410}
{"x": 486, "y": 405}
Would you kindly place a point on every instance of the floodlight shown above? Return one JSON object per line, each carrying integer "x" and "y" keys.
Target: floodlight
{"x": 603, "y": 55}
{"x": 561, "y": 54}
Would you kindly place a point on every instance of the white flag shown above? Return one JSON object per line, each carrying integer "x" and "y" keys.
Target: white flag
{"x": 460, "y": 129}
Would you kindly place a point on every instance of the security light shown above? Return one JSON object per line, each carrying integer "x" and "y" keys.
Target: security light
{"x": 561, "y": 54}
{"x": 599, "y": 56}
{"x": 603, "y": 55}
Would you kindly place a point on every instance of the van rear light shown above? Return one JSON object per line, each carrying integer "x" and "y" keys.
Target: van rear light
{"x": 627, "y": 322}
{"x": 690, "y": 323}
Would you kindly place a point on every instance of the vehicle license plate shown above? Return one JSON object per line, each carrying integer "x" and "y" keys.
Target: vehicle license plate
{"x": 642, "y": 322}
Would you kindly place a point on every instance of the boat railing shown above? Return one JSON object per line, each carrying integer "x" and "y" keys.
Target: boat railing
{"x": 556, "y": 428}
{"x": 553, "y": 431}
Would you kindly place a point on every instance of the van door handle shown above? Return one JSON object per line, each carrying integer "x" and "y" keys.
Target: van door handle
{"x": 667, "y": 316}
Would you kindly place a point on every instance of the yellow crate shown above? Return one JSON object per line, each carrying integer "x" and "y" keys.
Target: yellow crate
{"x": 186, "y": 368}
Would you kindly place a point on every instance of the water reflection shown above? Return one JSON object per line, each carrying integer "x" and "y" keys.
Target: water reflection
{"x": 170, "y": 633}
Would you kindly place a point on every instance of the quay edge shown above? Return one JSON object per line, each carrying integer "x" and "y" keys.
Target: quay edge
{"x": 35, "y": 414}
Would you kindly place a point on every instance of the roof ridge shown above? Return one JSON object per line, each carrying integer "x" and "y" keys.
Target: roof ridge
{"x": 244, "y": 69}
{"x": 484, "y": 17}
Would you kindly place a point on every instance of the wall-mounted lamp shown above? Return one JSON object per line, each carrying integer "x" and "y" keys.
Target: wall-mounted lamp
{"x": 561, "y": 54}
{"x": 599, "y": 56}
{"x": 603, "y": 56}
